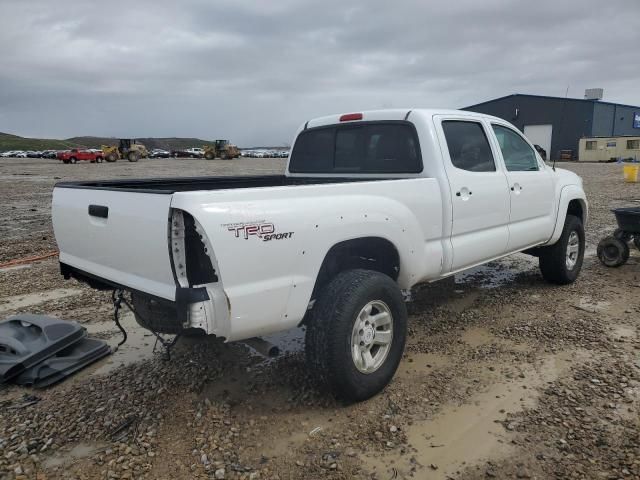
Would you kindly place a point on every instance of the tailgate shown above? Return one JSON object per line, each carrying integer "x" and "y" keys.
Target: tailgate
{"x": 116, "y": 235}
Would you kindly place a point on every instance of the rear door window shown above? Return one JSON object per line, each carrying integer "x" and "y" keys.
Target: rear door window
{"x": 366, "y": 147}
{"x": 468, "y": 146}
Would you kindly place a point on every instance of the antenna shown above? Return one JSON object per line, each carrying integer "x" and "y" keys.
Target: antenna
{"x": 564, "y": 105}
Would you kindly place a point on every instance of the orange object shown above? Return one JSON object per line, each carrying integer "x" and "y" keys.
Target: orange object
{"x": 20, "y": 261}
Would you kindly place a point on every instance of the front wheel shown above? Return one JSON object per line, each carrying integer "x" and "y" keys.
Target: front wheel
{"x": 561, "y": 263}
{"x": 133, "y": 156}
{"x": 356, "y": 334}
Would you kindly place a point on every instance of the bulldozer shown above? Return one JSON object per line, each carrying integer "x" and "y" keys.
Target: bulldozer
{"x": 127, "y": 148}
{"x": 221, "y": 149}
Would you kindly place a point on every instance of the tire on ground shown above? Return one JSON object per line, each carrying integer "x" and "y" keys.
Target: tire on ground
{"x": 330, "y": 328}
{"x": 553, "y": 259}
{"x": 613, "y": 252}
{"x": 133, "y": 156}
{"x": 112, "y": 157}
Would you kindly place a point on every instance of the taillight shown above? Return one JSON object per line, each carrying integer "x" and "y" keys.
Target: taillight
{"x": 350, "y": 117}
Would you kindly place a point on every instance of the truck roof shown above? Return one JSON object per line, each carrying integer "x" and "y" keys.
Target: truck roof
{"x": 394, "y": 114}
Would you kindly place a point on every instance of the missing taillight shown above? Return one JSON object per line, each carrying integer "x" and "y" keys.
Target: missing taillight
{"x": 191, "y": 262}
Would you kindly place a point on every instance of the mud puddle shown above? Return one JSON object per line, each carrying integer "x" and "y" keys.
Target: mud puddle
{"x": 78, "y": 452}
{"x": 463, "y": 435}
{"x": 18, "y": 302}
{"x": 139, "y": 344}
{"x": 498, "y": 273}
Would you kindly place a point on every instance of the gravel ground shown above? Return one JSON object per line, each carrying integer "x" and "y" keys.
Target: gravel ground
{"x": 504, "y": 376}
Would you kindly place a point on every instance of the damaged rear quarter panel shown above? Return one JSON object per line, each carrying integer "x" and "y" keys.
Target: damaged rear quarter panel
{"x": 270, "y": 243}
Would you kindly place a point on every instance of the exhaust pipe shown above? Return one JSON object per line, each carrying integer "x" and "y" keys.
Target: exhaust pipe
{"x": 264, "y": 348}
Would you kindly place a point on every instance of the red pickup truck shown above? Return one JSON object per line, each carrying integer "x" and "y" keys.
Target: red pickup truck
{"x": 75, "y": 155}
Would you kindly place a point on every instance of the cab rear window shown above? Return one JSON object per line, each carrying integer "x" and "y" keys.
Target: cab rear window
{"x": 364, "y": 147}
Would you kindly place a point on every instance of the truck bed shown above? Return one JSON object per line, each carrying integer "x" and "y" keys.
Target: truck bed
{"x": 172, "y": 185}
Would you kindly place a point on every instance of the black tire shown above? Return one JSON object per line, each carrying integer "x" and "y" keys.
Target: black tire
{"x": 112, "y": 157}
{"x": 99, "y": 159}
{"x": 613, "y": 252}
{"x": 73, "y": 160}
{"x": 133, "y": 156}
{"x": 66, "y": 161}
{"x": 553, "y": 259}
{"x": 209, "y": 156}
{"x": 636, "y": 241}
{"x": 331, "y": 325}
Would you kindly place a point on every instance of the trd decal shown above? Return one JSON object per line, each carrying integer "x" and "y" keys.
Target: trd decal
{"x": 263, "y": 230}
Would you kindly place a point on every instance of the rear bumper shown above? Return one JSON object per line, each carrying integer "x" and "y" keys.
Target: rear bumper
{"x": 183, "y": 296}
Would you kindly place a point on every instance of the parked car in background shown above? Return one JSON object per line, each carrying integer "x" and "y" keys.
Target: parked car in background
{"x": 159, "y": 153}
{"x": 8, "y": 153}
{"x": 34, "y": 154}
{"x": 188, "y": 153}
{"x": 76, "y": 155}
{"x": 49, "y": 154}
{"x": 20, "y": 154}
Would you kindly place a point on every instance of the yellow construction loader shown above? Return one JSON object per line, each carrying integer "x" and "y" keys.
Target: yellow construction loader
{"x": 221, "y": 149}
{"x": 127, "y": 148}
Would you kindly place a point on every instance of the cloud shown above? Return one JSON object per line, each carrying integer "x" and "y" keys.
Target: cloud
{"x": 253, "y": 71}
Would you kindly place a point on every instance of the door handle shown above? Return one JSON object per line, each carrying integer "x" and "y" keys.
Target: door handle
{"x": 100, "y": 211}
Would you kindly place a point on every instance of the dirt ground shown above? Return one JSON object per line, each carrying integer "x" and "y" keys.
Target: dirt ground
{"x": 504, "y": 376}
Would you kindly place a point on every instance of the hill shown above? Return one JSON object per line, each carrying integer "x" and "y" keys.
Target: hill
{"x": 14, "y": 142}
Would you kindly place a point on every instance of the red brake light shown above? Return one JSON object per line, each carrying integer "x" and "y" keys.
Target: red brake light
{"x": 349, "y": 117}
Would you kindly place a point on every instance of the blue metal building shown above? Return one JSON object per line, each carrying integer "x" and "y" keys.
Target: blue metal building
{"x": 557, "y": 123}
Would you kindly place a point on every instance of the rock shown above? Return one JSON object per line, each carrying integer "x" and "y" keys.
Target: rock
{"x": 220, "y": 474}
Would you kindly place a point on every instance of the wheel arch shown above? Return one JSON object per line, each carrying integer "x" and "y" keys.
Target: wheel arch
{"x": 572, "y": 202}
{"x": 370, "y": 253}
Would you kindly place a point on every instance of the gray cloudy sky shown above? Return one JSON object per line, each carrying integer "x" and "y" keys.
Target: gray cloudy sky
{"x": 252, "y": 71}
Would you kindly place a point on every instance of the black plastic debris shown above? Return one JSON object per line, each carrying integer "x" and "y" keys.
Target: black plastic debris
{"x": 64, "y": 363}
{"x": 26, "y": 340}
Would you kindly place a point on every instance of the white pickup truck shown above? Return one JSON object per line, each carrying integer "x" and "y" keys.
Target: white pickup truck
{"x": 370, "y": 205}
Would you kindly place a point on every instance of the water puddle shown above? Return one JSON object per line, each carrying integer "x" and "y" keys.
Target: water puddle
{"x": 463, "y": 435}
{"x": 498, "y": 273}
{"x": 18, "y": 302}
{"x": 288, "y": 342}
{"x": 139, "y": 344}
{"x": 416, "y": 364}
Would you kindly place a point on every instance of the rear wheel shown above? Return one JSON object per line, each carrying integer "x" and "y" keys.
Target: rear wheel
{"x": 613, "y": 252}
{"x": 356, "y": 333}
{"x": 65, "y": 161}
{"x": 561, "y": 263}
{"x": 73, "y": 160}
{"x": 99, "y": 159}
{"x": 112, "y": 157}
{"x": 133, "y": 156}
{"x": 209, "y": 156}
